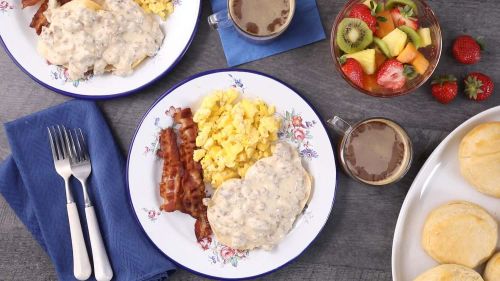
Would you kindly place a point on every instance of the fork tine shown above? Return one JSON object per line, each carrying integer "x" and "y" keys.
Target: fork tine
{"x": 63, "y": 144}
{"x": 57, "y": 144}
{"x": 84, "y": 146}
{"x": 66, "y": 139}
{"x": 72, "y": 147}
{"x": 79, "y": 146}
{"x": 54, "y": 153}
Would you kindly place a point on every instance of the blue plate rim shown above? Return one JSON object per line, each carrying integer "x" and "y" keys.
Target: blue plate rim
{"x": 117, "y": 95}
{"x": 192, "y": 77}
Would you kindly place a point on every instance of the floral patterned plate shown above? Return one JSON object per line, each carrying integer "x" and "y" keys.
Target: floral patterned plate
{"x": 19, "y": 41}
{"x": 173, "y": 233}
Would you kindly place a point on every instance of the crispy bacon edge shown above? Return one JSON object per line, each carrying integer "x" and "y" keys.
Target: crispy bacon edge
{"x": 182, "y": 187}
{"x": 192, "y": 180}
{"x": 28, "y": 3}
{"x": 39, "y": 20}
{"x": 170, "y": 185}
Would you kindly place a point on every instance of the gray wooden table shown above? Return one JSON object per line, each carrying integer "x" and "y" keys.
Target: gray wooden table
{"x": 356, "y": 241}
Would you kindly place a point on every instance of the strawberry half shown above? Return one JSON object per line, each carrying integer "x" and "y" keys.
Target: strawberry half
{"x": 390, "y": 75}
{"x": 404, "y": 16}
{"x": 478, "y": 86}
{"x": 362, "y": 12}
{"x": 466, "y": 49}
{"x": 444, "y": 88}
{"x": 352, "y": 69}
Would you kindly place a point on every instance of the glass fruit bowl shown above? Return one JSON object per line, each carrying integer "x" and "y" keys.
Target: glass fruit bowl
{"x": 388, "y": 43}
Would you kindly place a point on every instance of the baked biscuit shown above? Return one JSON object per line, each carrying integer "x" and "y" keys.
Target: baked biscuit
{"x": 492, "y": 271}
{"x": 460, "y": 232}
{"x": 479, "y": 157}
{"x": 449, "y": 272}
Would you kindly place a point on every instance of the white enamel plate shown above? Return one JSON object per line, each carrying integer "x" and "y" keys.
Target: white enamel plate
{"x": 19, "y": 40}
{"x": 438, "y": 182}
{"x": 173, "y": 233}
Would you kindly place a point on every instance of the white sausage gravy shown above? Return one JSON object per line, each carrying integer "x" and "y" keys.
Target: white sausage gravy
{"x": 259, "y": 210}
{"x": 82, "y": 37}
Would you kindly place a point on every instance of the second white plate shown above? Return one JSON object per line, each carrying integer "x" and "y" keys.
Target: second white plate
{"x": 439, "y": 181}
{"x": 20, "y": 40}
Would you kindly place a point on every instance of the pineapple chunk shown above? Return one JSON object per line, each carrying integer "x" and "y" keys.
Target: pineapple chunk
{"x": 425, "y": 34}
{"x": 367, "y": 60}
{"x": 420, "y": 63}
{"x": 396, "y": 41}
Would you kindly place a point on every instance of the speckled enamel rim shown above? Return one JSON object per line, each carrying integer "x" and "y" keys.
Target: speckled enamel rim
{"x": 323, "y": 124}
{"x": 104, "y": 97}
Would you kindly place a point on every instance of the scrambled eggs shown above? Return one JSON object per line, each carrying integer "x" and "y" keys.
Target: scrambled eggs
{"x": 163, "y": 8}
{"x": 233, "y": 135}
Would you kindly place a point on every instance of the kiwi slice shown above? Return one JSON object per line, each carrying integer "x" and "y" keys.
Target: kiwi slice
{"x": 392, "y": 3}
{"x": 382, "y": 46}
{"x": 413, "y": 35}
{"x": 353, "y": 35}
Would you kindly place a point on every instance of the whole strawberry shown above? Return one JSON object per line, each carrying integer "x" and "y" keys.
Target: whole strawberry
{"x": 466, "y": 49}
{"x": 444, "y": 88}
{"x": 352, "y": 69}
{"x": 362, "y": 12}
{"x": 478, "y": 86}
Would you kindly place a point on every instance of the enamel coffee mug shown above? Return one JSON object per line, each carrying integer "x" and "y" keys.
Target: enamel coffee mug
{"x": 259, "y": 21}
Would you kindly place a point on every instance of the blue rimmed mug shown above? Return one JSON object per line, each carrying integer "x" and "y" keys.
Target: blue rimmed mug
{"x": 228, "y": 18}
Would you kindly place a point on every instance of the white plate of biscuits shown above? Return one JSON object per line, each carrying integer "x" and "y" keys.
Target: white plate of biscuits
{"x": 448, "y": 225}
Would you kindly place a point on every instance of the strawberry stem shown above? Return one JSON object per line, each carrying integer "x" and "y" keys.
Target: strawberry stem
{"x": 342, "y": 59}
{"x": 409, "y": 72}
{"x": 473, "y": 87}
{"x": 443, "y": 79}
{"x": 480, "y": 42}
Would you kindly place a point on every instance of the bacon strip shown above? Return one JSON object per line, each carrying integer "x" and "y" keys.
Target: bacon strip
{"x": 170, "y": 185}
{"x": 28, "y": 3}
{"x": 182, "y": 186}
{"x": 39, "y": 20}
{"x": 192, "y": 180}
{"x": 202, "y": 227}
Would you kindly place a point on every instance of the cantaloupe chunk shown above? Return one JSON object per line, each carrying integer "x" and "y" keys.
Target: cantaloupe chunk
{"x": 408, "y": 54}
{"x": 384, "y": 27}
{"x": 370, "y": 83}
{"x": 379, "y": 58}
{"x": 420, "y": 63}
{"x": 396, "y": 41}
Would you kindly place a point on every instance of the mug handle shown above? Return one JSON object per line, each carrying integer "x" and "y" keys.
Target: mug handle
{"x": 340, "y": 125}
{"x": 220, "y": 19}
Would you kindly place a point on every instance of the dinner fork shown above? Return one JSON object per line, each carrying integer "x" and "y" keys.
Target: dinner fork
{"x": 81, "y": 168}
{"x": 60, "y": 154}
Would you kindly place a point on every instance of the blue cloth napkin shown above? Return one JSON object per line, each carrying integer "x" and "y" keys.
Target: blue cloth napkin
{"x": 32, "y": 188}
{"x": 304, "y": 29}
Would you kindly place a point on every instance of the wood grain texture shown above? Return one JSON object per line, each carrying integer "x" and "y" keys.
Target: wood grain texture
{"x": 356, "y": 241}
